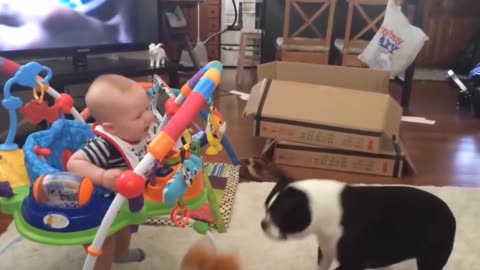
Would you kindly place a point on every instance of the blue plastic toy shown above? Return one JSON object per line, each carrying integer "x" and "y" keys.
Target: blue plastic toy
{"x": 182, "y": 178}
{"x": 27, "y": 75}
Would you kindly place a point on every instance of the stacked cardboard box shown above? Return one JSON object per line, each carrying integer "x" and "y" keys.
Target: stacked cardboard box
{"x": 328, "y": 117}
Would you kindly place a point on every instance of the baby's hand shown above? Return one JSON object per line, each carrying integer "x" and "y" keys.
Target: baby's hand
{"x": 109, "y": 178}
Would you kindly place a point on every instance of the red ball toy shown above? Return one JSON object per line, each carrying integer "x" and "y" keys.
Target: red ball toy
{"x": 129, "y": 184}
{"x": 170, "y": 107}
{"x": 64, "y": 103}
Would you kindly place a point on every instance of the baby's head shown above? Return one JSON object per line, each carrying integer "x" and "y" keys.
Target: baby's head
{"x": 121, "y": 106}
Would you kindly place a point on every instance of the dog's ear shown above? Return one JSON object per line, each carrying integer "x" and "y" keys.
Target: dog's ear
{"x": 280, "y": 186}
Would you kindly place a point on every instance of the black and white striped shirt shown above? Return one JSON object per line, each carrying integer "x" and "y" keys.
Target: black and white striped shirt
{"x": 104, "y": 154}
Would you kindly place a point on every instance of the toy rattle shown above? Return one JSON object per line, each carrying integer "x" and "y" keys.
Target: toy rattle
{"x": 214, "y": 130}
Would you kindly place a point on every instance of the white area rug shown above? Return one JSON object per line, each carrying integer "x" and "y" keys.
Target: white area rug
{"x": 166, "y": 245}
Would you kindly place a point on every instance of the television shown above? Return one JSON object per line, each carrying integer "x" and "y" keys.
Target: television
{"x": 76, "y": 28}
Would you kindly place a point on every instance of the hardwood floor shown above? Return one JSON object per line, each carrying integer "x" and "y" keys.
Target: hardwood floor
{"x": 446, "y": 153}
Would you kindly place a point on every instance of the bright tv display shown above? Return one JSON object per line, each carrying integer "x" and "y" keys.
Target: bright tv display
{"x": 65, "y": 27}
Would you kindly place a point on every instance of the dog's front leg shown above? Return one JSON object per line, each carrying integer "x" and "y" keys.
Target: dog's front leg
{"x": 325, "y": 258}
{"x": 319, "y": 256}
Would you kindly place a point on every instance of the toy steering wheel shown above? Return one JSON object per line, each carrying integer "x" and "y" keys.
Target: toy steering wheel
{"x": 180, "y": 220}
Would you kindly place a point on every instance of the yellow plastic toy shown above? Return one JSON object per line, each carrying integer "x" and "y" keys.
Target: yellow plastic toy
{"x": 12, "y": 168}
{"x": 214, "y": 131}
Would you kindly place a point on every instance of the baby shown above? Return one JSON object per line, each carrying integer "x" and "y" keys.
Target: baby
{"x": 124, "y": 127}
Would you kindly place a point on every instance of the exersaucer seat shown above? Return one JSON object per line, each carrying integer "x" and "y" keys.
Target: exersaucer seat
{"x": 62, "y": 139}
{"x": 59, "y": 201}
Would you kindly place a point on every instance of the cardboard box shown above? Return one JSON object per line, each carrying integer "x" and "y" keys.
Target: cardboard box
{"x": 391, "y": 160}
{"x": 339, "y": 76}
{"x": 324, "y": 115}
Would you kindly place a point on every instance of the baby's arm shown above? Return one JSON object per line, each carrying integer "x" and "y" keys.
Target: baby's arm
{"x": 80, "y": 164}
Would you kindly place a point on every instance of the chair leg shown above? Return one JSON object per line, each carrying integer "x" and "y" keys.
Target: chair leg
{"x": 278, "y": 53}
{"x": 240, "y": 62}
{"x": 337, "y": 57}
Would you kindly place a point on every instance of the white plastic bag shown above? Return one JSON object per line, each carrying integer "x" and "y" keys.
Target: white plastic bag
{"x": 396, "y": 44}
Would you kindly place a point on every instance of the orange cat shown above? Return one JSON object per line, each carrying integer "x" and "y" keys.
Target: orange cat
{"x": 204, "y": 256}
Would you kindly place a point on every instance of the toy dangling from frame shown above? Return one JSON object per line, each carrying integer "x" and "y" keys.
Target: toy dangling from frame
{"x": 181, "y": 205}
{"x": 41, "y": 88}
{"x": 190, "y": 167}
{"x": 37, "y": 109}
{"x": 214, "y": 130}
{"x": 177, "y": 96}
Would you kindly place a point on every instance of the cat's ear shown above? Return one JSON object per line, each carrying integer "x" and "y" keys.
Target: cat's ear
{"x": 251, "y": 169}
{"x": 262, "y": 170}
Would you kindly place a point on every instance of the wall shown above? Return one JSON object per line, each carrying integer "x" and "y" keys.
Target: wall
{"x": 450, "y": 24}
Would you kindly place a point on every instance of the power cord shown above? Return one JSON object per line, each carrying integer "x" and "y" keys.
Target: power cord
{"x": 229, "y": 28}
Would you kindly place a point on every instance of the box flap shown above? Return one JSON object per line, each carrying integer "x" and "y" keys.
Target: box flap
{"x": 256, "y": 95}
{"x": 324, "y": 106}
{"x": 339, "y": 76}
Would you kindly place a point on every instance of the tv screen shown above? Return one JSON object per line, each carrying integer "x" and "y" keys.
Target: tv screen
{"x": 57, "y": 27}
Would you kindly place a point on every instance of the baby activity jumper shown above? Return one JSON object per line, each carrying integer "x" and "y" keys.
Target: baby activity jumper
{"x": 52, "y": 206}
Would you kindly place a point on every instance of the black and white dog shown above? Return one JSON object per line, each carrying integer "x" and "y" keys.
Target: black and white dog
{"x": 359, "y": 226}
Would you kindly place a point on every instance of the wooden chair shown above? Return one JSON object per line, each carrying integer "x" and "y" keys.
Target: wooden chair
{"x": 295, "y": 48}
{"x": 252, "y": 39}
{"x": 352, "y": 45}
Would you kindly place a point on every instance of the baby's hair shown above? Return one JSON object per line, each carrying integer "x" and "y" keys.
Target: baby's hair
{"x": 97, "y": 97}
{"x": 112, "y": 82}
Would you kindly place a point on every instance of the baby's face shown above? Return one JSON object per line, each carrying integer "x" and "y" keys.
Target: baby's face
{"x": 133, "y": 119}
